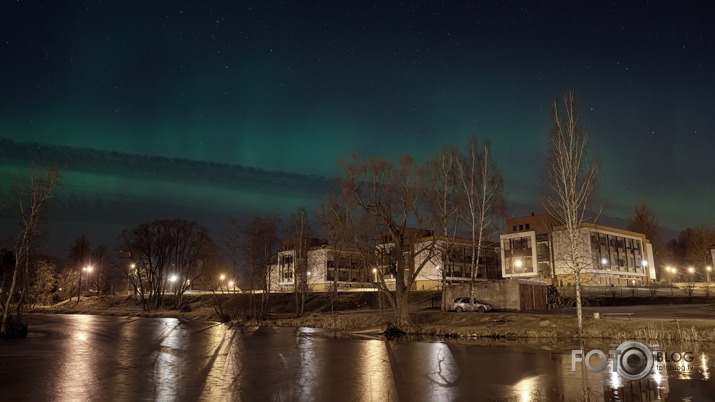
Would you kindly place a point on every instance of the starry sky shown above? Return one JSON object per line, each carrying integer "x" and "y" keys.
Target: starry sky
{"x": 208, "y": 110}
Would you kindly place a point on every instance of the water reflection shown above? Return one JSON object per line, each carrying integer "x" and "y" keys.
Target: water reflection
{"x": 100, "y": 358}
{"x": 375, "y": 373}
{"x": 75, "y": 377}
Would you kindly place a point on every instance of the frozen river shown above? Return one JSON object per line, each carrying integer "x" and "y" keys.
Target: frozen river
{"x": 95, "y": 358}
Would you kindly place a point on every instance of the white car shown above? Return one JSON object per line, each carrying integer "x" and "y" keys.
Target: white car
{"x": 462, "y": 304}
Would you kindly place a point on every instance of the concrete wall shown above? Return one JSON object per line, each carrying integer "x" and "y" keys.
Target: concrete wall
{"x": 501, "y": 294}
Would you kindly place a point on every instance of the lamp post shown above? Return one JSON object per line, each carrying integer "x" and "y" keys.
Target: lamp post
{"x": 671, "y": 271}
{"x": 707, "y": 272}
{"x": 132, "y": 268}
{"x": 87, "y": 270}
{"x": 173, "y": 278}
{"x": 221, "y": 278}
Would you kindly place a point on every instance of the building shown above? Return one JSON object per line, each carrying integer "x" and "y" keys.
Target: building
{"x": 533, "y": 248}
{"x": 440, "y": 256}
{"x": 329, "y": 267}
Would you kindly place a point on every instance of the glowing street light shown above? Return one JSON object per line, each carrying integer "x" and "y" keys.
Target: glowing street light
{"x": 87, "y": 270}
{"x": 132, "y": 271}
{"x": 707, "y": 271}
{"x": 672, "y": 272}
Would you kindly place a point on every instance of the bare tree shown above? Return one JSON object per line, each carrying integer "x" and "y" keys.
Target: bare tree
{"x": 443, "y": 194}
{"x": 190, "y": 246}
{"x": 78, "y": 261}
{"x": 229, "y": 240}
{"x": 697, "y": 242}
{"x": 40, "y": 280}
{"x": 391, "y": 196}
{"x": 32, "y": 194}
{"x": 570, "y": 181}
{"x": 644, "y": 221}
{"x": 483, "y": 194}
{"x": 259, "y": 241}
{"x": 300, "y": 229}
{"x": 164, "y": 253}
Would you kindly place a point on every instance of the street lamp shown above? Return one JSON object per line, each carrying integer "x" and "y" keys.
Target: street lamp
{"x": 672, "y": 272}
{"x": 707, "y": 271}
{"x": 87, "y": 270}
{"x": 132, "y": 270}
{"x": 173, "y": 278}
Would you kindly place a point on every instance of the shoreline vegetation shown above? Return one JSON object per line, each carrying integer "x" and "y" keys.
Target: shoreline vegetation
{"x": 360, "y": 313}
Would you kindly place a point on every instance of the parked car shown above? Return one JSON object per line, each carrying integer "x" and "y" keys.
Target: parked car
{"x": 462, "y": 304}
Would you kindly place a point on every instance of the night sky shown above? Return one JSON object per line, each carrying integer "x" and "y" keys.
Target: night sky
{"x": 206, "y": 110}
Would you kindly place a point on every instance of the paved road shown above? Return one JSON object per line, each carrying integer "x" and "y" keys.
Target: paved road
{"x": 659, "y": 311}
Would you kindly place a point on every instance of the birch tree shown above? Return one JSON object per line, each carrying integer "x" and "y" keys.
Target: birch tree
{"x": 570, "y": 181}
{"x": 483, "y": 201}
{"x": 32, "y": 195}
{"x": 442, "y": 192}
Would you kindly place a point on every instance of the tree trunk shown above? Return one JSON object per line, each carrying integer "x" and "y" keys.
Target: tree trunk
{"x": 3, "y": 326}
{"x": 403, "y": 322}
{"x": 579, "y": 305}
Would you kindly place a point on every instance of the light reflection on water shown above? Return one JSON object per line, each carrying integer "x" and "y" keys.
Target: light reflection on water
{"x": 101, "y": 358}
{"x": 75, "y": 378}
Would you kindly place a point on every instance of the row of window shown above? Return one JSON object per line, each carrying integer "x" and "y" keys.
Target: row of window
{"x": 618, "y": 253}
{"x": 521, "y": 227}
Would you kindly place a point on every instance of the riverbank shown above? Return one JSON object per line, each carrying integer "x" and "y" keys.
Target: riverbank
{"x": 356, "y": 312}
